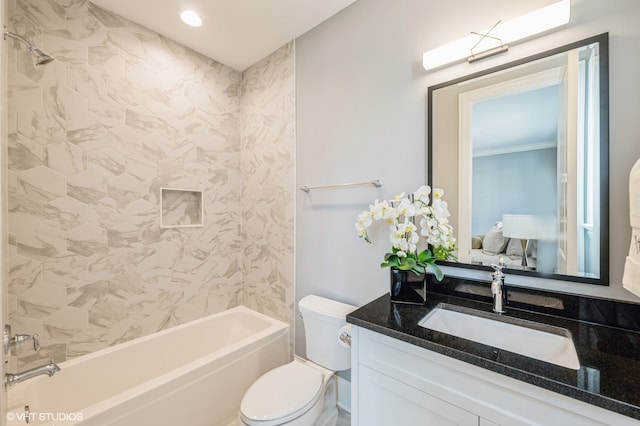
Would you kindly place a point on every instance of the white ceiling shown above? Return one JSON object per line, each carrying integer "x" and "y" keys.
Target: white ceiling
{"x": 237, "y": 33}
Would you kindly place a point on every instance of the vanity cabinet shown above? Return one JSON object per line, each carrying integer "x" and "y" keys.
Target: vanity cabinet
{"x": 394, "y": 382}
{"x": 385, "y": 401}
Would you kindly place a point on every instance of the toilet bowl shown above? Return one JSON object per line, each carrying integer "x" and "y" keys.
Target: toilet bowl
{"x": 296, "y": 394}
{"x": 303, "y": 393}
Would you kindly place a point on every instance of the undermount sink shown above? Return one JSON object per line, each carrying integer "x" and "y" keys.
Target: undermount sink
{"x": 540, "y": 341}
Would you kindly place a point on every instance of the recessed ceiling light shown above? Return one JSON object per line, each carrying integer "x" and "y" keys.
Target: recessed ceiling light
{"x": 189, "y": 17}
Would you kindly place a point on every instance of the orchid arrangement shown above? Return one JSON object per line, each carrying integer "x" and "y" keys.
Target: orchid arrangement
{"x": 401, "y": 214}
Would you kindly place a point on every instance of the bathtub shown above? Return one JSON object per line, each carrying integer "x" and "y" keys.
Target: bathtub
{"x": 192, "y": 374}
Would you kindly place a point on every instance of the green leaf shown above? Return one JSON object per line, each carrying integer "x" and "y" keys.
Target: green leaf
{"x": 391, "y": 260}
{"x": 436, "y": 271}
{"x": 425, "y": 256}
{"x": 419, "y": 269}
{"x": 410, "y": 263}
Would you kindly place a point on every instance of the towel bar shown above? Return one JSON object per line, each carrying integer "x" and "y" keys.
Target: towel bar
{"x": 377, "y": 183}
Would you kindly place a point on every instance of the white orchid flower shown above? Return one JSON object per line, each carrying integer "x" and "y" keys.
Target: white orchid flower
{"x": 421, "y": 196}
{"x": 391, "y": 214}
{"x": 397, "y": 232}
{"x": 398, "y": 197}
{"x": 406, "y": 208}
{"x": 363, "y": 221}
{"x": 377, "y": 209}
{"x": 409, "y": 226}
{"x": 414, "y": 238}
{"x": 401, "y": 245}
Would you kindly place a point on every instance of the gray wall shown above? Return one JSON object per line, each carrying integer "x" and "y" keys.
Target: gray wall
{"x": 514, "y": 183}
{"x": 361, "y": 114}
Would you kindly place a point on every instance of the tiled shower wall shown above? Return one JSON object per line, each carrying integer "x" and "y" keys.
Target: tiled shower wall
{"x": 93, "y": 136}
{"x": 268, "y": 175}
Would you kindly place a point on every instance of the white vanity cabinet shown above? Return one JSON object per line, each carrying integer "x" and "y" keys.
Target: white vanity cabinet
{"x": 396, "y": 383}
{"x": 384, "y": 401}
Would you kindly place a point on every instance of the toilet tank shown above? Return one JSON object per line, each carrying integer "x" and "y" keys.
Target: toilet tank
{"x": 323, "y": 318}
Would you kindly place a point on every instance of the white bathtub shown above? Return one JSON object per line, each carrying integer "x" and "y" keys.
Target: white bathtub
{"x": 192, "y": 374}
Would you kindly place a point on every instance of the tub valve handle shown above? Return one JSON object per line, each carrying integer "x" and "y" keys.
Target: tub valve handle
{"x": 19, "y": 340}
{"x": 36, "y": 343}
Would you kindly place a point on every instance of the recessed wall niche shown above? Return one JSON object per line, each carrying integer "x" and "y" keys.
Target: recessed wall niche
{"x": 180, "y": 208}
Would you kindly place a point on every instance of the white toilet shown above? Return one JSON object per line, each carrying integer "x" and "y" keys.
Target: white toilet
{"x": 303, "y": 393}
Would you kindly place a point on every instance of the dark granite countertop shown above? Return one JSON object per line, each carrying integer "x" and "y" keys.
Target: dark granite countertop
{"x": 604, "y": 333}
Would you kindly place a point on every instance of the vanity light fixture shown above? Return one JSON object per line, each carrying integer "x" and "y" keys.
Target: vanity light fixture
{"x": 191, "y": 18}
{"x": 480, "y": 45}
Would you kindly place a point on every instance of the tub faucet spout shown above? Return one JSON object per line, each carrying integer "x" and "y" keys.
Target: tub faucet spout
{"x": 48, "y": 369}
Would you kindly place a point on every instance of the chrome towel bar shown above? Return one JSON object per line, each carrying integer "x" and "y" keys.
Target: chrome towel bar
{"x": 377, "y": 183}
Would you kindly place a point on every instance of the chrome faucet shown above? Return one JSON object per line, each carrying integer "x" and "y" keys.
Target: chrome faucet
{"x": 18, "y": 340}
{"x": 48, "y": 369}
{"x": 498, "y": 289}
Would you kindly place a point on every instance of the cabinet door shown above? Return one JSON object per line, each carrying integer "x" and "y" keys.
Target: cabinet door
{"x": 384, "y": 401}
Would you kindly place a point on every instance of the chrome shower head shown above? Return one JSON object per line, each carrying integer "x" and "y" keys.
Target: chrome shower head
{"x": 41, "y": 57}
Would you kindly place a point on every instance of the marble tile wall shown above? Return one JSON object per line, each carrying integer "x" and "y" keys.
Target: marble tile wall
{"x": 268, "y": 179}
{"x": 92, "y": 137}
{"x": 180, "y": 208}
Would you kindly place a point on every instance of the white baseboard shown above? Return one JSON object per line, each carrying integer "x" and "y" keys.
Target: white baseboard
{"x": 344, "y": 394}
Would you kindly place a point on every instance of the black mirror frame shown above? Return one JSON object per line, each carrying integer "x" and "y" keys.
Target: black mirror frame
{"x": 603, "y": 40}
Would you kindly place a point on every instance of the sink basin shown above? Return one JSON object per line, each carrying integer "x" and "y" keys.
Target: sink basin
{"x": 540, "y": 341}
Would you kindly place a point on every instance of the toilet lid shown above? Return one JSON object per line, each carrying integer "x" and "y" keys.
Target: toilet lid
{"x": 282, "y": 394}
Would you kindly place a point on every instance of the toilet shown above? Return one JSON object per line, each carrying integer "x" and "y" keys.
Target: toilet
{"x": 303, "y": 393}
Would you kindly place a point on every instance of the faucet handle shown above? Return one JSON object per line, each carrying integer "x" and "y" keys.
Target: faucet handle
{"x": 500, "y": 266}
{"x": 36, "y": 343}
{"x": 19, "y": 340}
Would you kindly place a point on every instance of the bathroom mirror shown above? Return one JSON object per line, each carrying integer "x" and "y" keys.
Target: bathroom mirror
{"x": 521, "y": 151}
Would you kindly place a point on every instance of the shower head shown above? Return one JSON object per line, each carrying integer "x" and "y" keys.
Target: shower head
{"x": 41, "y": 57}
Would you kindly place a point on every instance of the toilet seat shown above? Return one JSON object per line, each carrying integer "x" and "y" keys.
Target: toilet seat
{"x": 282, "y": 394}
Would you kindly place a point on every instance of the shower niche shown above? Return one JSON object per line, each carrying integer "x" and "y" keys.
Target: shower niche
{"x": 181, "y": 208}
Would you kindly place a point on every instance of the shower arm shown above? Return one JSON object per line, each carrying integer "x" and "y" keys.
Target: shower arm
{"x": 18, "y": 37}
{"x": 41, "y": 57}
